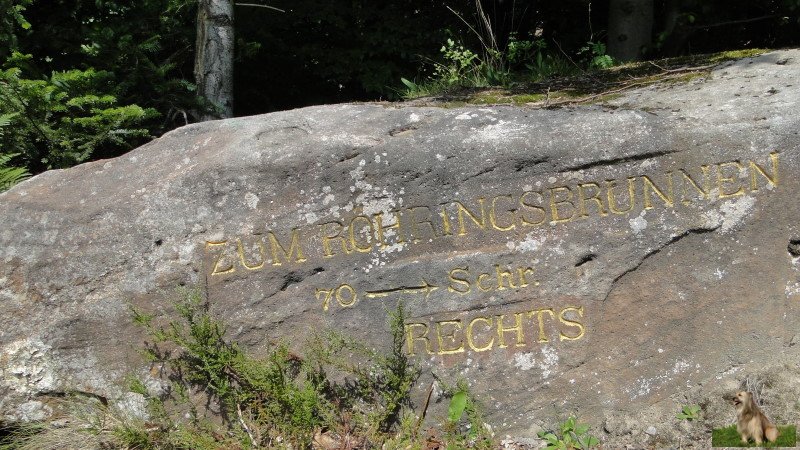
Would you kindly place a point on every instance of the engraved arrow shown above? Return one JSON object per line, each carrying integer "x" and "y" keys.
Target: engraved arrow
{"x": 426, "y": 287}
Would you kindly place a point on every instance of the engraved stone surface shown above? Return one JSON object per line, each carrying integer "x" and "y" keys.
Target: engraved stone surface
{"x": 604, "y": 261}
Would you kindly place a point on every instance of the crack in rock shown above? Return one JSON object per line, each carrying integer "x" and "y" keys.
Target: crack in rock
{"x": 656, "y": 251}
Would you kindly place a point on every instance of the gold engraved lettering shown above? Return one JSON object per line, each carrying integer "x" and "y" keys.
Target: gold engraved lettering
{"x": 463, "y": 210}
{"x": 502, "y": 330}
{"x": 327, "y": 238}
{"x": 425, "y": 288}
{"x": 294, "y": 247}
{"x": 411, "y": 338}
{"x": 479, "y": 282}
{"x": 538, "y": 209}
{"x": 572, "y": 323}
{"x": 353, "y": 229}
{"x": 415, "y": 222}
{"x": 582, "y": 198}
{"x": 523, "y": 282}
{"x": 328, "y": 293}
{"x": 460, "y": 281}
{"x": 480, "y": 333}
{"x": 687, "y": 180}
{"x": 648, "y": 186}
{"x": 218, "y": 270}
{"x": 722, "y": 179}
{"x": 773, "y": 180}
{"x": 346, "y": 295}
{"x": 470, "y": 338}
{"x": 502, "y": 275}
{"x": 493, "y": 214}
{"x": 396, "y": 226}
{"x": 555, "y": 203}
{"x": 447, "y": 228}
{"x": 540, "y": 313}
{"x": 261, "y": 250}
{"x": 451, "y": 337}
{"x": 612, "y": 202}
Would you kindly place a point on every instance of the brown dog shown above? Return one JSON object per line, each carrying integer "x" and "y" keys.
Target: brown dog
{"x": 751, "y": 421}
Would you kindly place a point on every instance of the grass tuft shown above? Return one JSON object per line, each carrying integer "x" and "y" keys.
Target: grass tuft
{"x": 729, "y": 437}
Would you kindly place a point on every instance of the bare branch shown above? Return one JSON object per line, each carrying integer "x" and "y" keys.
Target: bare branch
{"x": 480, "y": 38}
{"x": 260, "y": 6}
{"x": 735, "y": 22}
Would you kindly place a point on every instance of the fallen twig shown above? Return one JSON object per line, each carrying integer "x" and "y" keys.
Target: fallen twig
{"x": 684, "y": 69}
{"x": 244, "y": 425}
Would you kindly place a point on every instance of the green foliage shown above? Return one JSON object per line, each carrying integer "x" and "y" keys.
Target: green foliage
{"x": 275, "y": 396}
{"x": 378, "y": 386}
{"x": 460, "y": 66}
{"x": 9, "y": 175}
{"x": 541, "y": 62}
{"x": 133, "y": 436}
{"x": 595, "y": 55}
{"x": 523, "y": 51}
{"x": 458, "y": 404}
{"x": 61, "y": 120}
{"x": 17, "y": 436}
{"x": 92, "y": 79}
{"x": 11, "y": 18}
{"x": 342, "y": 391}
{"x": 279, "y": 398}
{"x": 729, "y": 437}
{"x": 571, "y": 435}
{"x": 462, "y": 428}
{"x": 474, "y": 434}
{"x": 689, "y": 412}
{"x": 465, "y": 427}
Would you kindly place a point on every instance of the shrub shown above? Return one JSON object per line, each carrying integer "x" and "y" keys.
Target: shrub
{"x": 282, "y": 397}
{"x": 570, "y": 435}
{"x": 61, "y": 120}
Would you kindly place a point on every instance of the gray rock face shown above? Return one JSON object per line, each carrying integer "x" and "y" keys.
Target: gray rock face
{"x": 595, "y": 260}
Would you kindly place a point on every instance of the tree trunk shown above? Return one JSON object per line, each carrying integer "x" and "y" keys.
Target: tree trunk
{"x": 213, "y": 63}
{"x": 630, "y": 27}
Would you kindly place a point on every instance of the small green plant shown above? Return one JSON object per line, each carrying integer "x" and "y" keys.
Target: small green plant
{"x": 689, "y": 412}
{"x": 461, "y": 67}
{"x": 571, "y": 435}
{"x": 465, "y": 427}
{"x": 595, "y": 55}
{"x": 520, "y": 51}
{"x": 460, "y": 63}
{"x": 458, "y": 403}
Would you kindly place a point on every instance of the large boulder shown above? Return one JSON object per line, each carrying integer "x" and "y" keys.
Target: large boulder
{"x": 599, "y": 260}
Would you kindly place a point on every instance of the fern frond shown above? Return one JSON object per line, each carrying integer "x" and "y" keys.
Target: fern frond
{"x": 9, "y": 176}
{"x": 5, "y": 120}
